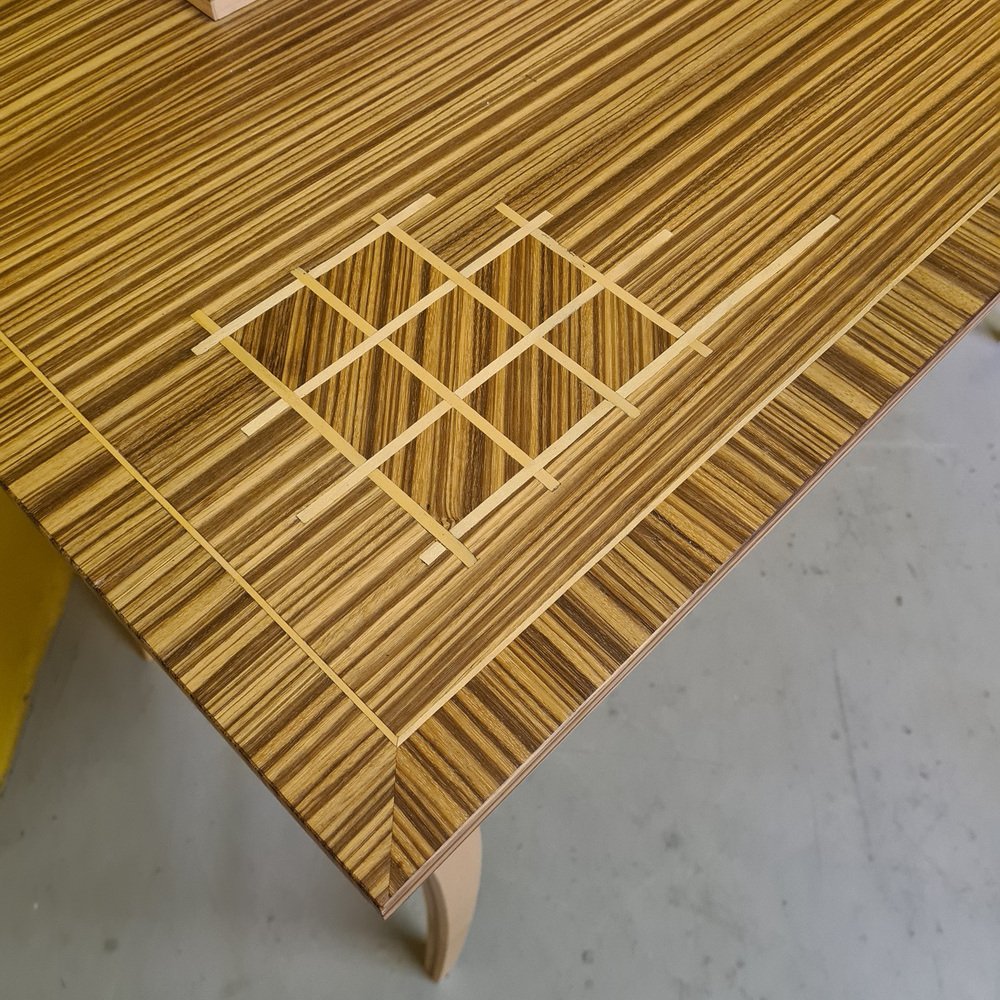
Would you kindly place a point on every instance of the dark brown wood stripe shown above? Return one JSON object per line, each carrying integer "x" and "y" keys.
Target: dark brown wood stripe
{"x": 537, "y": 687}
{"x": 153, "y": 163}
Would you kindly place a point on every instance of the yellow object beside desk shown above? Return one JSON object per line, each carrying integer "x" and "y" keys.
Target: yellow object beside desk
{"x": 33, "y": 582}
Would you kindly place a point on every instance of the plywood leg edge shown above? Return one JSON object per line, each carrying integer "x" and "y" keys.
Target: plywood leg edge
{"x": 450, "y": 894}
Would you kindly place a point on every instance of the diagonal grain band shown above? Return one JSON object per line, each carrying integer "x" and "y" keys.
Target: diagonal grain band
{"x": 370, "y": 237}
{"x": 290, "y": 289}
{"x": 397, "y": 323}
{"x": 198, "y": 537}
{"x": 508, "y": 317}
{"x": 403, "y": 499}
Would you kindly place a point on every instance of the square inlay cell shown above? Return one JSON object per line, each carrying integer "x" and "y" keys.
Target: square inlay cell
{"x": 455, "y": 338}
{"x": 450, "y": 468}
{"x": 298, "y": 337}
{"x": 382, "y": 280}
{"x": 534, "y": 400}
{"x": 532, "y": 281}
{"x": 610, "y": 339}
{"x": 372, "y": 401}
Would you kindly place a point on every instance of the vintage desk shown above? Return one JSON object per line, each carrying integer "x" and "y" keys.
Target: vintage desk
{"x": 400, "y": 371}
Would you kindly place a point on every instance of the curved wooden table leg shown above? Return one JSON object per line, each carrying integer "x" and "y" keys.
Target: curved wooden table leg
{"x": 450, "y": 894}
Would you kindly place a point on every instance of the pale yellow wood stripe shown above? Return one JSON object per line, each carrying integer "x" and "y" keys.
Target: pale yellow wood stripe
{"x": 522, "y": 476}
{"x": 425, "y": 520}
{"x": 532, "y": 337}
{"x": 527, "y": 228}
{"x": 290, "y": 289}
{"x": 286, "y": 291}
{"x": 342, "y": 445}
{"x": 510, "y": 319}
{"x": 195, "y": 534}
{"x": 732, "y": 300}
{"x": 608, "y": 281}
{"x": 370, "y": 237}
{"x": 786, "y": 259}
{"x": 660, "y": 362}
{"x": 344, "y": 361}
{"x": 536, "y": 465}
{"x": 698, "y": 462}
{"x": 357, "y": 476}
{"x": 631, "y": 261}
{"x": 432, "y": 381}
{"x": 397, "y": 323}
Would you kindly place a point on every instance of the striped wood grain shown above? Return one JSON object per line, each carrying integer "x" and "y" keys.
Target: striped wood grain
{"x": 462, "y": 762}
{"x": 388, "y": 699}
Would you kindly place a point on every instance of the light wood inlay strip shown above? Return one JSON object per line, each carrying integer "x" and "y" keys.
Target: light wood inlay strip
{"x": 286, "y": 291}
{"x": 418, "y": 371}
{"x": 688, "y": 339}
{"x": 370, "y": 237}
{"x": 528, "y": 228}
{"x": 290, "y": 289}
{"x": 718, "y": 312}
{"x": 537, "y": 464}
{"x": 342, "y": 445}
{"x": 626, "y": 264}
{"x": 357, "y": 476}
{"x": 734, "y": 298}
{"x": 522, "y": 476}
{"x": 509, "y": 318}
{"x": 787, "y": 258}
{"x": 196, "y": 535}
{"x": 397, "y": 323}
{"x": 608, "y": 281}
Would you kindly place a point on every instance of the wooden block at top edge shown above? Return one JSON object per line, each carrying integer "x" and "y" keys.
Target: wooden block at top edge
{"x": 217, "y": 9}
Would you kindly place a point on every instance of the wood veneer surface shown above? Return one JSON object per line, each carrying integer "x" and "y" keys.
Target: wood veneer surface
{"x": 262, "y": 289}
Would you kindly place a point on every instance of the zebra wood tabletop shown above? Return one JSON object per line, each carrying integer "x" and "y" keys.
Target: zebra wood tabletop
{"x": 399, "y": 372}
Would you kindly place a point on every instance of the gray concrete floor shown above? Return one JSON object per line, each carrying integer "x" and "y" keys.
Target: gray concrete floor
{"x": 796, "y": 796}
